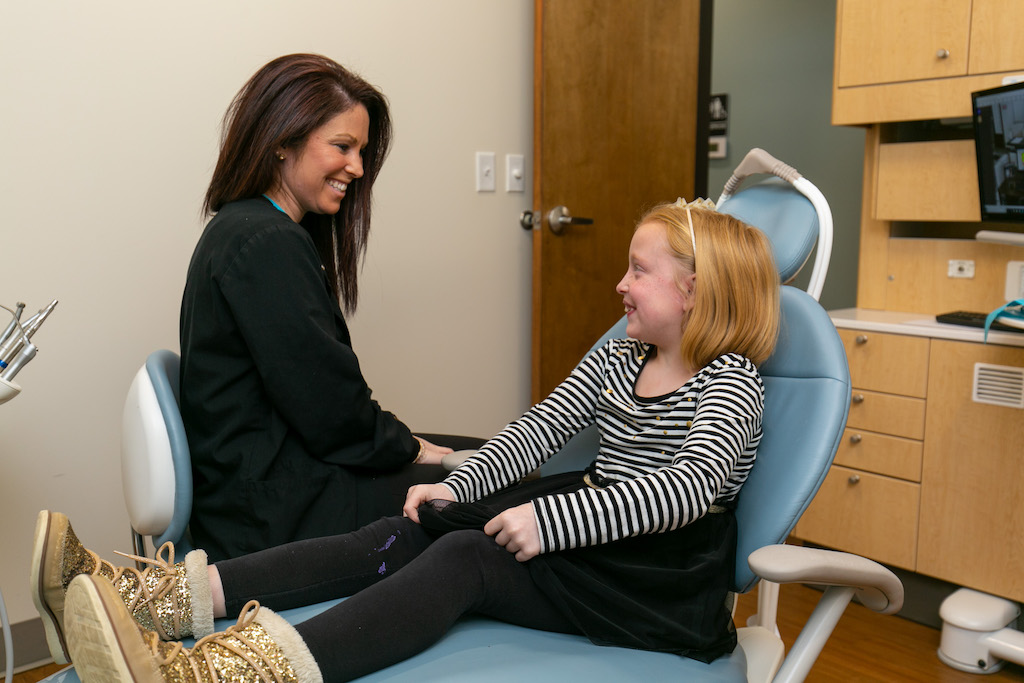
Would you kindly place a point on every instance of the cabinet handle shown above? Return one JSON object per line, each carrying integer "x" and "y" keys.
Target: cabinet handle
{"x": 861, "y": 339}
{"x": 942, "y": 53}
{"x": 858, "y": 398}
{"x": 854, "y": 479}
{"x": 856, "y": 438}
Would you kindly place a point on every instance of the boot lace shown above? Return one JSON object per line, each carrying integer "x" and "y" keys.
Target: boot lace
{"x": 150, "y": 595}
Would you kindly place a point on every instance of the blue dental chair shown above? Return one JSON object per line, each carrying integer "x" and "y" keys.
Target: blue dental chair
{"x": 807, "y": 388}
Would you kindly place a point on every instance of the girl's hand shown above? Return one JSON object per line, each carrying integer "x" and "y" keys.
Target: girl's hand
{"x": 432, "y": 453}
{"x": 515, "y": 530}
{"x": 421, "y": 493}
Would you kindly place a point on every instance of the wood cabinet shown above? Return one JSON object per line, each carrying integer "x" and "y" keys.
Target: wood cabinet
{"x": 906, "y": 60}
{"x": 921, "y": 205}
{"x": 972, "y": 482}
{"x": 927, "y": 478}
{"x": 869, "y": 502}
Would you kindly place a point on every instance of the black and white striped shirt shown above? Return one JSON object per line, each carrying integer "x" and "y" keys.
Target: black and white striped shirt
{"x": 670, "y": 457}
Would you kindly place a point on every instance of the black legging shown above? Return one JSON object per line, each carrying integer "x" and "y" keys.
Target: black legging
{"x": 392, "y": 614}
{"x": 380, "y": 494}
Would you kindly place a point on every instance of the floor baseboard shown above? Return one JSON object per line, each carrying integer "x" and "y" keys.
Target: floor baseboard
{"x": 29, "y": 645}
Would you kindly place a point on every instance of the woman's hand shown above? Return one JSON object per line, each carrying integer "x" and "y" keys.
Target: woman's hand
{"x": 515, "y": 530}
{"x": 421, "y": 493}
{"x": 432, "y": 453}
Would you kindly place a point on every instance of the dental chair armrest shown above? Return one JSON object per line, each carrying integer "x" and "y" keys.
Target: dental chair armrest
{"x": 875, "y": 586}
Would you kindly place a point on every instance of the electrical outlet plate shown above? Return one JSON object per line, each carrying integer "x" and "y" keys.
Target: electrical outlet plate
{"x": 960, "y": 268}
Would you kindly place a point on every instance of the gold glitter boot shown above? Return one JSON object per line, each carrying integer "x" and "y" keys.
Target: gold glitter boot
{"x": 108, "y": 645}
{"x": 172, "y": 599}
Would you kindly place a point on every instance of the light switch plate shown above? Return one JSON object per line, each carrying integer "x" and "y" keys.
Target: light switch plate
{"x": 485, "y": 172}
{"x": 515, "y": 173}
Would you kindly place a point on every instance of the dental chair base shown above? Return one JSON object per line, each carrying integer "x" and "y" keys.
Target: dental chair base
{"x": 978, "y": 632}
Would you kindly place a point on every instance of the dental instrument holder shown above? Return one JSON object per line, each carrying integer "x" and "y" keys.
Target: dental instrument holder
{"x": 18, "y": 351}
{"x": 979, "y": 632}
{"x": 8, "y": 390}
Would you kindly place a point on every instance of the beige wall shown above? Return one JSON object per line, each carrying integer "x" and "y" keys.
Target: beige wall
{"x": 109, "y": 116}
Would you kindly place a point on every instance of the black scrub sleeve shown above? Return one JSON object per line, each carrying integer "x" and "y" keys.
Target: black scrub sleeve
{"x": 278, "y": 294}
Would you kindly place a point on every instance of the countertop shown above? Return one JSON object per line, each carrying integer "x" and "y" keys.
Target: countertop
{"x": 919, "y": 325}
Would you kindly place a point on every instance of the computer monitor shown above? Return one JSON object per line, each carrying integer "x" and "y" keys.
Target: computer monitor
{"x": 999, "y": 145}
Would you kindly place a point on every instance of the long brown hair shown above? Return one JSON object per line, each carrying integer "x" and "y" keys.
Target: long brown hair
{"x": 279, "y": 107}
{"x": 737, "y": 287}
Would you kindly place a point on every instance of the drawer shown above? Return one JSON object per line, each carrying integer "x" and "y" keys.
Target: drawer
{"x": 890, "y": 363}
{"x": 887, "y": 414}
{"x": 866, "y": 514}
{"x": 880, "y": 453}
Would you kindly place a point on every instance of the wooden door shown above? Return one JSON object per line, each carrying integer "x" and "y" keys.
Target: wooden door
{"x": 620, "y": 124}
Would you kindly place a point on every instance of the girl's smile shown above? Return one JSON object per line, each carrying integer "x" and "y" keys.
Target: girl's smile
{"x": 656, "y": 290}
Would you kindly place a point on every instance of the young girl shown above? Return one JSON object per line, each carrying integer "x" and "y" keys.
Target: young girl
{"x": 636, "y": 551}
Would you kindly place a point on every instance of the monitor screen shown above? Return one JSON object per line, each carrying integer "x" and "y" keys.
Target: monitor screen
{"x": 999, "y": 144}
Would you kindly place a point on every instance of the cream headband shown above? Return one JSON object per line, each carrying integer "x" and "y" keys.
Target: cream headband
{"x": 699, "y": 204}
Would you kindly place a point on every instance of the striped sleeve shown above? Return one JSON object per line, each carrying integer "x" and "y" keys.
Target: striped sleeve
{"x": 713, "y": 460}
{"x": 531, "y": 440}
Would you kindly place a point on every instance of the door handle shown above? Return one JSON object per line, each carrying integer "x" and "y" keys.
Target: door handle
{"x": 527, "y": 220}
{"x": 559, "y": 217}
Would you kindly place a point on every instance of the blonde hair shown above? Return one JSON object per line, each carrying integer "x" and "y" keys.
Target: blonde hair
{"x": 736, "y": 304}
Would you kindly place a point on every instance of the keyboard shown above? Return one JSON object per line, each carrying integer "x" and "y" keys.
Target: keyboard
{"x": 973, "y": 319}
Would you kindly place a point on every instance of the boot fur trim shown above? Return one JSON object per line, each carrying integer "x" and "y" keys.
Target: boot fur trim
{"x": 202, "y": 599}
{"x": 291, "y": 645}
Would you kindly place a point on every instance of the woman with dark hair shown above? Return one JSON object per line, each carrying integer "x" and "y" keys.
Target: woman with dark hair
{"x": 286, "y": 440}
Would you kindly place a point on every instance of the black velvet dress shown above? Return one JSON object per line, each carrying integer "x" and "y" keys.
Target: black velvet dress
{"x": 666, "y": 592}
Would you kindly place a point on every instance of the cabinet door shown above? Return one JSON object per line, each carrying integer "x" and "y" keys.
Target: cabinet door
{"x": 940, "y": 175}
{"x": 995, "y": 45}
{"x": 972, "y": 481}
{"x": 886, "y": 41}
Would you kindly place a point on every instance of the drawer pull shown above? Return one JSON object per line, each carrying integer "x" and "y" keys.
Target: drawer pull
{"x": 854, "y": 479}
{"x": 861, "y": 339}
{"x": 858, "y": 398}
{"x": 856, "y": 438}
{"x": 942, "y": 53}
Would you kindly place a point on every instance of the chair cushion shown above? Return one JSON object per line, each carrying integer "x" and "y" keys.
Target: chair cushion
{"x": 479, "y": 649}
{"x": 807, "y": 399}
{"x": 784, "y": 214}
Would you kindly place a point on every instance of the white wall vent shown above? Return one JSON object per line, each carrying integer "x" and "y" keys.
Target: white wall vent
{"x": 1000, "y": 385}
